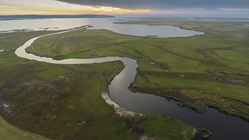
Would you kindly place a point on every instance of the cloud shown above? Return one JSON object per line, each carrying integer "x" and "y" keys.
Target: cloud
{"x": 164, "y": 4}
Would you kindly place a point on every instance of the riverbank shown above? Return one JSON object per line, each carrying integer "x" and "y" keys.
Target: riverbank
{"x": 200, "y": 100}
{"x": 118, "y": 109}
{"x": 187, "y": 65}
{"x": 196, "y": 78}
{"x": 77, "y": 112}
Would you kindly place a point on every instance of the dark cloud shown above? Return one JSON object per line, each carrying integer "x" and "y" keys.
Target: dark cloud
{"x": 164, "y": 4}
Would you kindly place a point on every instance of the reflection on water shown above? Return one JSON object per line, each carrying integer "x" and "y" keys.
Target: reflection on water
{"x": 97, "y": 23}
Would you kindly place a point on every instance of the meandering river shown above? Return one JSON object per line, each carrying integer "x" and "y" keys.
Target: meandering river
{"x": 223, "y": 127}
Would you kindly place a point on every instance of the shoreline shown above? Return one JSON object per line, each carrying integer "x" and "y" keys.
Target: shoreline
{"x": 118, "y": 109}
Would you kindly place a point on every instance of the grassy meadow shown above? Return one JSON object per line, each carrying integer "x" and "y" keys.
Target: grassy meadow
{"x": 9, "y": 132}
{"x": 197, "y": 68}
{"x": 64, "y": 101}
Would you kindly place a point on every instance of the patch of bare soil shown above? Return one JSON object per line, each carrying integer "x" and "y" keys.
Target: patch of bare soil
{"x": 118, "y": 109}
{"x": 144, "y": 137}
{"x": 94, "y": 55}
{"x": 3, "y": 104}
{"x": 43, "y": 83}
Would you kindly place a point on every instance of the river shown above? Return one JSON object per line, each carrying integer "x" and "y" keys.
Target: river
{"x": 222, "y": 126}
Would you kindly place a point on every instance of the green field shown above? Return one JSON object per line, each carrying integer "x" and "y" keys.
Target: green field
{"x": 199, "y": 67}
{"x": 64, "y": 101}
{"x": 9, "y": 132}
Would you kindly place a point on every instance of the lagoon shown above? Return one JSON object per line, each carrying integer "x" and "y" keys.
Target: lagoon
{"x": 97, "y": 23}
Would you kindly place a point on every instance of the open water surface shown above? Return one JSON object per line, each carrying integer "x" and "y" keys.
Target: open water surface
{"x": 97, "y": 23}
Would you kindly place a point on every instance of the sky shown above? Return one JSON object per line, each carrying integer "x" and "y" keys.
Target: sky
{"x": 112, "y": 7}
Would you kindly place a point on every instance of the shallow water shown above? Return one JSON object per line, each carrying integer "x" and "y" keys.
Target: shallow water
{"x": 235, "y": 80}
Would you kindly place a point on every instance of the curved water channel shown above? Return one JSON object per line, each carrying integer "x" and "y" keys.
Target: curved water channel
{"x": 223, "y": 127}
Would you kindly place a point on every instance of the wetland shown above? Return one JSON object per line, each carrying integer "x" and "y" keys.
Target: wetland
{"x": 188, "y": 89}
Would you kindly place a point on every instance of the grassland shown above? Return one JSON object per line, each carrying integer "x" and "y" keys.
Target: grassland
{"x": 197, "y": 68}
{"x": 64, "y": 101}
{"x": 9, "y": 132}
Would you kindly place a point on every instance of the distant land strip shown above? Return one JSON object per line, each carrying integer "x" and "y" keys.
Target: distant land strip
{"x": 20, "y": 17}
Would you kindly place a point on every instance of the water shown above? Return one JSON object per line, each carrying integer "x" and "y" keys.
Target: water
{"x": 235, "y": 80}
{"x": 241, "y": 20}
{"x": 97, "y": 23}
{"x": 222, "y": 126}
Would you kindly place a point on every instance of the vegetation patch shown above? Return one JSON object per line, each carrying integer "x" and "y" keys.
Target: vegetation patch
{"x": 200, "y": 100}
{"x": 204, "y": 133}
{"x": 185, "y": 69}
{"x": 9, "y": 132}
{"x": 64, "y": 101}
